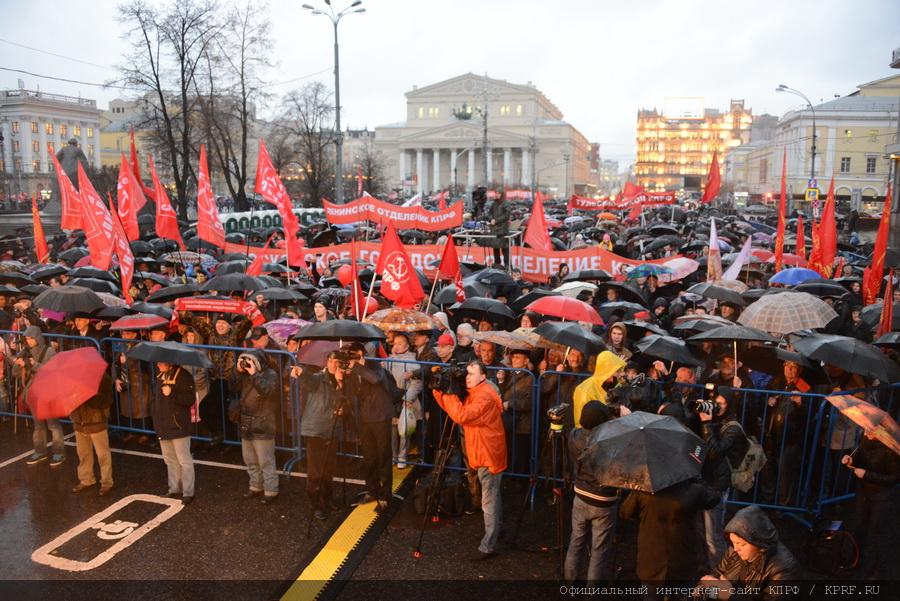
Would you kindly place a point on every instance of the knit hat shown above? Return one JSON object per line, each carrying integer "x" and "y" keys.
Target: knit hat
{"x": 593, "y": 414}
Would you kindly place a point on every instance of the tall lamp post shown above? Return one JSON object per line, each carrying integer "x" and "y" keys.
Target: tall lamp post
{"x": 335, "y": 18}
{"x": 784, "y": 88}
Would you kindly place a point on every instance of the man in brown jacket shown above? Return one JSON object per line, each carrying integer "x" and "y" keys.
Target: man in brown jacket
{"x": 90, "y": 421}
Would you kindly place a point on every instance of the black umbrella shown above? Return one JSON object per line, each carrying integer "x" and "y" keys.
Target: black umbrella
{"x": 72, "y": 255}
{"x": 237, "y": 266}
{"x": 626, "y": 309}
{"x": 643, "y": 451}
{"x": 719, "y": 293}
{"x": 326, "y": 238}
{"x": 305, "y": 288}
{"x": 599, "y": 275}
{"x": 275, "y": 268}
{"x": 850, "y": 354}
{"x": 644, "y": 326}
{"x": 733, "y": 333}
{"x": 871, "y": 315}
{"x": 154, "y": 308}
{"x": 571, "y": 334}
{"x": 92, "y": 272}
{"x": 485, "y": 308}
{"x": 140, "y": 247}
{"x": 195, "y": 244}
{"x": 95, "y": 285}
{"x": 340, "y": 329}
{"x": 173, "y": 353}
{"x": 626, "y": 292}
{"x": 699, "y": 323}
{"x": 281, "y": 294}
{"x": 889, "y": 340}
{"x": 153, "y": 277}
{"x": 662, "y": 229}
{"x": 822, "y": 288}
{"x": 162, "y": 244}
{"x": 45, "y": 272}
{"x": 69, "y": 299}
{"x": 232, "y": 282}
{"x": 447, "y": 294}
{"x": 15, "y": 278}
{"x": 753, "y": 294}
{"x": 770, "y": 359}
{"x": 523, "y": 301}
{"x": 172, "y": 292}
{"x": 494, "y": 277}
{"x": 662, "y": 242}
{"x": 112, "y": 313}
{"x": 668, "y": 348}
{"x": 32, "y": 289}
{"x": 9, "y": 290}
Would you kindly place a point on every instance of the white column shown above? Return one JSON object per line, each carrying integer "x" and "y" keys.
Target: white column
{"x": 507, "y": 166}
{"x": 42, "y": 151}
{"x": 453, "y": 174}
{"x": 526, "y": 167}
{"x": 470, "y": 176}
{"x": 402, "y": 162}
{"x": 489, "y": 176}
{"x": 83, "y": 139}
{"x": 436, "y": 182}
{"x": 420, "y": 171}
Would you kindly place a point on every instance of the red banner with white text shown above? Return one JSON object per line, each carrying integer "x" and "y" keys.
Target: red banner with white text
{"x": 403, "y": 218}
{"x": 220, "y": 305}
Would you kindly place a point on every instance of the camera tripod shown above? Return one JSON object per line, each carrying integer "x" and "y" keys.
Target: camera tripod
{"x": 442, "y": 456}
{"x": 555, "y": 447}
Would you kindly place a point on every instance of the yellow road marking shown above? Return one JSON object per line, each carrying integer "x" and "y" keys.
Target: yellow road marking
{"x": 326, "y": 564}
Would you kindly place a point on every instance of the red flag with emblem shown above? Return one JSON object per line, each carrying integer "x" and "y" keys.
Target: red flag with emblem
{"x": 69, "y": 198}
{"x": 209, "y": 227}
{"x": 41, "y": 251}
{"x": 782, "y": 209}
{"x": 270, "y": 187}
{"x": 97, "y": 222}
{"x": 166, "y": 219}
{"x": 874, "y": 273}
{"x": 886, "y": 324}
{"x": 815, "y": 252}
{"x": 123, "y": 252}
{"x": 800, "y": 250}
{"x": 130, "y": 198}
{"x": 399, "y": 282}
{"x": 713, "y": 181}
{"x": 536, "y": 233}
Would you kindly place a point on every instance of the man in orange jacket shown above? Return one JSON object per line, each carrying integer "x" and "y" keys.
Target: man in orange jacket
{"x": 485, "y": 445}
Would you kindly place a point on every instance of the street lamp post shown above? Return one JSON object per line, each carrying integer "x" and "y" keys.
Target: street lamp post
{"x": 335, "y": 18}
{"x": 784, "y": 88}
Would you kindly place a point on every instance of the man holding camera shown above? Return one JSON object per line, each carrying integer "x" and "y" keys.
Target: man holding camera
{"x": 255, "y": 413}
{"x": 480, "y": 416}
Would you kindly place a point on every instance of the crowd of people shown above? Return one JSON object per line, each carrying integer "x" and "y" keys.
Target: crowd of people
{"x": 503, "y": 373}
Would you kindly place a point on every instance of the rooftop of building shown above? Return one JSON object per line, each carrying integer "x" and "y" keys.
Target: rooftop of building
{"x": 22, "y": 96}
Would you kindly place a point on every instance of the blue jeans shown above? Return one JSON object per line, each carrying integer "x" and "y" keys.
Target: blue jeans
{"x": 259, "y": 457}
{"x": 714, "y": 524}
{"x": 598, "y": 524}
{"x": 491, "y": 506}
{"x": 39, "y": 437}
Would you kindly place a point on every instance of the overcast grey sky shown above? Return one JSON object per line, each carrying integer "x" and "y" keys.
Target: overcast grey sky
{"x": 598, "y": 61}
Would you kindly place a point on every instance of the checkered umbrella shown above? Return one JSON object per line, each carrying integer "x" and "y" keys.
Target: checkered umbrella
{"x": 787, "y": 312}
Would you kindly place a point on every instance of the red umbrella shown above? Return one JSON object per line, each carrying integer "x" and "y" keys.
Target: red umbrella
{"x": 790, "y": 260}
{"x": 566, "y": 308}
{"x": 139, "y": 321}
{"x": 65, "y": 382}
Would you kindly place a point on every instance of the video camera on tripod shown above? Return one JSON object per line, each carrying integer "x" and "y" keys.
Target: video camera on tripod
{"x": 557, "y": 414}
{"x": 450, "y": 379}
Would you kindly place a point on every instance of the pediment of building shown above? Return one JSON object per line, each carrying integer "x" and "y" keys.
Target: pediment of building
{"x": 469, "y": 84}
{"x": 461, "y": 132}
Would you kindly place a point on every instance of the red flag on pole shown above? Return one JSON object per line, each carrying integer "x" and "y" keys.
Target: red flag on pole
{"x": 41, "y": 251}
{"x": 209, "y": 227}
{"x": 800, "y": 249}
{"x": 166, "y": 219}
{"x": 886, "y": 324}
{"x": 713, "y": 181}
{"x": 136, "y": 170}
{"x": 536, "y": 235}
{"x": 449, "y": 268}
{"x": 123, "y": 252}
{"x": 782, "y": 209}
{"x": 714, "y": 256}
{"x": 270, "y": 187}
{"x": 815, "y": 253}
{"x": 255, "y": 267}
{"x": 358, "y": 300}
{"x": 399, "y": 282}
{"x": 875, "y": 271}
{"x": 130, "y": 197}
{"x": 97, "y": 222}
{"x": 69, "y": 198}
{"x": 828, "y": 234}
{"x": 442, "y": 200}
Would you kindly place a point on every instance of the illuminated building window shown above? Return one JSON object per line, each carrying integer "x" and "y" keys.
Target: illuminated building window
{"x": 36, "y": 166}
{"x": 848, "y": 133}
{"x": 15, "y": 127}
{"x": 48, "y": 127}
{"x": 34, "y": 127}
{"x": 63, "y": 130}
{"x": 90, "y": 132}
{"x": 52, "y": 147}
{"x": 421, "y": 112}
{"x": 15, "y": 146}
{"x": 518, "y": 110}
{"x": 505, "y": 110}
{"x": 35, "y": 146}
{"x": 76, "y": 130}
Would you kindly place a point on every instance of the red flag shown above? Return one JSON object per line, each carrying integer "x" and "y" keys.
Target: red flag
{"x": 713, "y": 181}
{"x": 69, "y": 198}
{"x": 40, "y": 242}
{"x": 270, "y": 187}
{"x": 887, "y": 308}
{"x": 782, "y": 209}
{"x": 130, "y": 198}
{"x": 828, "y": 234}
{"x": 399, "y": 282}
{"x": 800, "y": 249}
{"x": 357, "y": 292}
{"x": 166, "y": 219}
{"x": 634, "y": 214}
{"x": 815, "y": 253}
{"x": 875, "y": 271}
{"x": 449, "y": 268}
{"x": 628, "y": 193}
{"x": 536, "y": 233}
{"x": 123, "y": 252}
{"x": 136, "y": 170}
{"x": 209, "y": 227}
{"x": 442, "y": 200}
{"x": 97, "y": 222}
{"x": 256, "y": 267}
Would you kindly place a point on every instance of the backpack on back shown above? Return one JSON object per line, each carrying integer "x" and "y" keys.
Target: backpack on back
{"x": 744, "y": 475}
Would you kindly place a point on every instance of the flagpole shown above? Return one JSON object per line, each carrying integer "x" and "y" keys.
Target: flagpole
{"x": 437, "y": 276}
{"x": 114, "y": 209}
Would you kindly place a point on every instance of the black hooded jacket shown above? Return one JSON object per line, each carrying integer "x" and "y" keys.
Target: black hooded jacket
{"x": 726, "y": 445}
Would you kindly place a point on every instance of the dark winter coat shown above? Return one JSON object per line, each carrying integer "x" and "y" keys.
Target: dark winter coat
{"x": 725, "y": 442}
{"x": 775, "y": 564}
{"x": 320, "y": 399}
{"x": 668, "y": 537}
{"x": 258, "y": 405}
{"x": 516, "y": 392}
{"x": 172, "y": 414}
{"x": 93, "y": 415}
{"x": 377, "y": 397}
{"x": 499, "y": 212}
{"x": 587, "y": 486}
{"x": 882, "y": 467}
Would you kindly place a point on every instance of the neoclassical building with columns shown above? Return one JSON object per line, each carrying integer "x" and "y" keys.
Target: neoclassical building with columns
{"x": 440, "y": 145}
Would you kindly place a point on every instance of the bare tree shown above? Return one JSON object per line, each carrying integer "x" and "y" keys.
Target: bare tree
{"x": 308, "y": 117}
{"x": 371, "y": 162}
{"x": 166, "y": 48}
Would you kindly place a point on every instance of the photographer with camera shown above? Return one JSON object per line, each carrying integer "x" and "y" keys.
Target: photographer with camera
{"x": 255, "y": 412}
{"x": 726, "y": 446}
{"x": 323, "y": 400}
{"x": 636, "y": 391}
{"x": 595, "y": 506}
{"x": 480, "y": 415}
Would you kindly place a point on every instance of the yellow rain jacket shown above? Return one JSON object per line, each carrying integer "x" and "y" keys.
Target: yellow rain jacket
{"x": 592, "y": 389}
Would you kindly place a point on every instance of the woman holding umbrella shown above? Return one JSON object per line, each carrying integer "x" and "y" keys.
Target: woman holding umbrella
{"x": 172, "y": 403}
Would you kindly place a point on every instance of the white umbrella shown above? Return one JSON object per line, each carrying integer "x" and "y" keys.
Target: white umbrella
{"x": 573, "y": 289}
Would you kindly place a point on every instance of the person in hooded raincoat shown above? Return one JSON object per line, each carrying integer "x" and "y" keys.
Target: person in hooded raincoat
{"x": 606, "y": 366}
